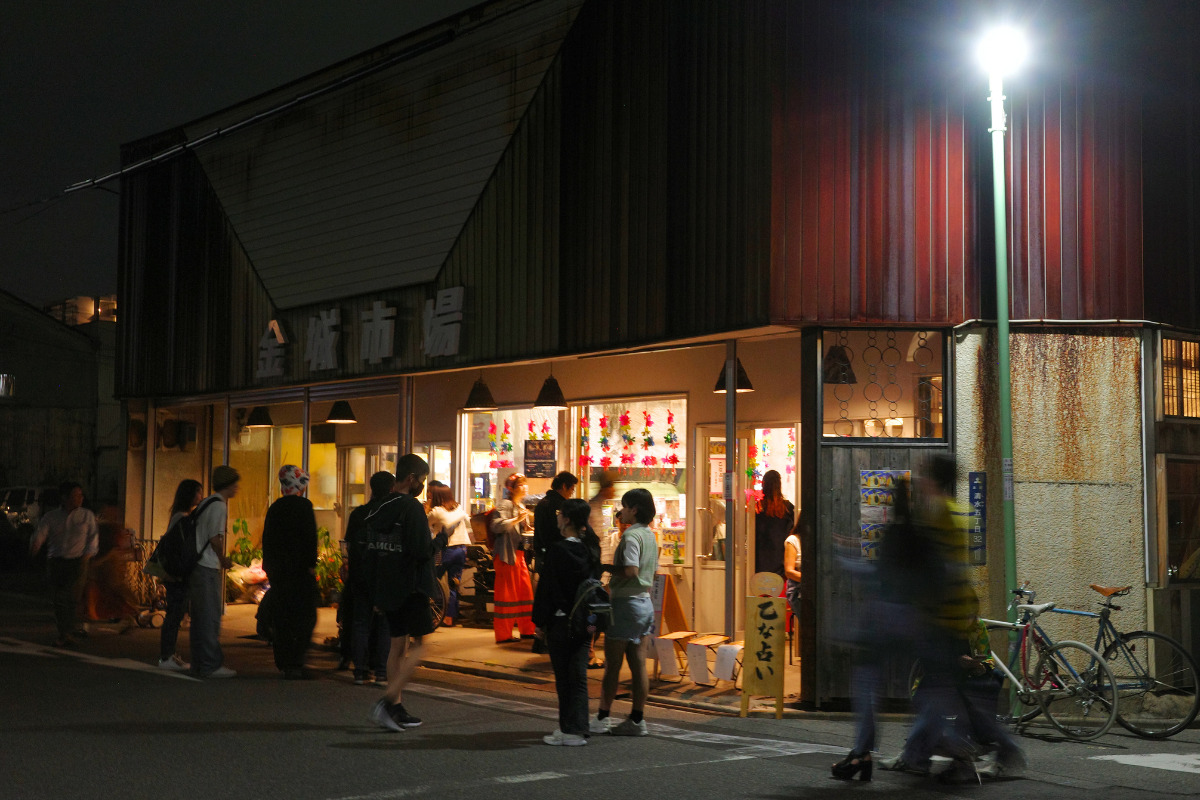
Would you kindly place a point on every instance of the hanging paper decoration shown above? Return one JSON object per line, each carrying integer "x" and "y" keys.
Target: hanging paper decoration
{"x": 647, "y": 437}
{"x": 604, "y": 431}
{"x": 649, "y": 462}
{"x": 546, "y": 430}
{"x": 765, "y": 450}
{"x": 493, "y": 447}
{"x": 791, "y": 451}
{"x": 625, "y": 429}
{"x": 671, "y": 460}
{"x": 505, "y": 447}
{"x": 585, "y": 446}
{"x": 532, "y": 430}
{"x": 671, "y": 438}
{"x": 752, "y": 463}
{"x": 605, "y": 462}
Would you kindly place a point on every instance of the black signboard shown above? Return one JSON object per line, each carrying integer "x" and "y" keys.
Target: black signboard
{"x": 539, "y": 459}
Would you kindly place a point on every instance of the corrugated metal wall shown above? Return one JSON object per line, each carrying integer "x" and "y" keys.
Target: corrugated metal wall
{"x": 1075, "y": 195}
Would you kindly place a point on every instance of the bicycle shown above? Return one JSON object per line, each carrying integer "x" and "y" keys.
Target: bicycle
{"x": 1155, "y": 676}
{"x": 1070, "y": 682}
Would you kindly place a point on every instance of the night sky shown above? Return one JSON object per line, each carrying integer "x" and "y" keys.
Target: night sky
{"x": 80, "y": 78}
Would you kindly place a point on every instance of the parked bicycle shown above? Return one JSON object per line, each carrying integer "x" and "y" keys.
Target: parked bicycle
{"x": 1066, "y": 680}
{"x": 1155, "y": 677}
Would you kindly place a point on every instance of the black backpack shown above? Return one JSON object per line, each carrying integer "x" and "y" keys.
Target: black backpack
{"x": 176, "y": 551}
{"x": 592, "y": 612}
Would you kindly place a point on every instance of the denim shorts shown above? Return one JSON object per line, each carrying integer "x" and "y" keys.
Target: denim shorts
{"x": 633, "y": 618}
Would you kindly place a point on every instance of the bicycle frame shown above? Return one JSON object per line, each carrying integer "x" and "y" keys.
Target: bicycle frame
{"x": 1028, "y": 628}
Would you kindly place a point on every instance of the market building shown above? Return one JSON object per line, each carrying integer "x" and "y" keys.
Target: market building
{"x": 640, "y": 200}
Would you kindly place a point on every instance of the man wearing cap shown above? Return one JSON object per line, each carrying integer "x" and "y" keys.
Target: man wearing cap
{"x": 207, "y": 581}
{"x": 290, "y": 559}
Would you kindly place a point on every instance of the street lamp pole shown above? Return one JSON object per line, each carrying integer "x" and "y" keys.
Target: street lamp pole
{"x": 1001, "y": 51}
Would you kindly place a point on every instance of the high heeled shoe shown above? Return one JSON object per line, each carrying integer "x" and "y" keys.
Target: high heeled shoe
{"x": 854, "y": 764}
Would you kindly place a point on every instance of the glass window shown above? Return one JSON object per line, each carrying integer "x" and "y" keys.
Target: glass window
{"x": 773, "y": 449}
{"x": 181, "y": 452}
{"x": 497, "y": 449}
{"x": 1181, "y": 378}
{"x": 645, "y": 444}
{"x": 883, "y": 384}
{"x": 1183, "y": 521}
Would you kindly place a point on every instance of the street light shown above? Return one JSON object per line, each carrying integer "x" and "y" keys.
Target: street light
{"x": 1001, "y": 52}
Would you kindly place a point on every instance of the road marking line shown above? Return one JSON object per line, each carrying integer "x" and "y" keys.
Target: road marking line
{"x": 530, "y": 777}
{"x": 1169, "y": 761}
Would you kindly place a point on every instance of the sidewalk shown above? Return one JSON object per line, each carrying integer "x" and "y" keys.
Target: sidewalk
{"x": 474, "y": 651}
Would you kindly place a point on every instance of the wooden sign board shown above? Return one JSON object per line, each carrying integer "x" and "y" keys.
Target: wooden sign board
{"x": 764, "y": 651}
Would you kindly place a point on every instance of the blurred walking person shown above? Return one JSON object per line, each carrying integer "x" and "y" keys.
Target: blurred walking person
{"x": 71, "y": 538}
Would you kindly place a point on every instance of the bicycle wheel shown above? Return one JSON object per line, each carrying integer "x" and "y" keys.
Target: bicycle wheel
{"x": 437, "y": 605}
{"x": 1012, "y": 705}
{"x": 1156, "y": 684}
{"x": 1074, "y": 687}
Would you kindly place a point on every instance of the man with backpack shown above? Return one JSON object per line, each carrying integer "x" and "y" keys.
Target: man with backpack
{"x": 207, "y": 581}
{"x": 399, "y": 562}
{"x": 370, "y": 643}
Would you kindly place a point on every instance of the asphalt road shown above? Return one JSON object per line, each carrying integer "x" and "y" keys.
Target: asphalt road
{"x": 94, "y": 723}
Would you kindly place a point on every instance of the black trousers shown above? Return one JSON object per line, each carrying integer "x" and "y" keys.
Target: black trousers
{"x": 294, "y": 615}
{"x": 569, "y": 658}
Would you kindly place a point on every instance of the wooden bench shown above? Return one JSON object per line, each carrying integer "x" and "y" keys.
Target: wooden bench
{"x": 677, "y": 640}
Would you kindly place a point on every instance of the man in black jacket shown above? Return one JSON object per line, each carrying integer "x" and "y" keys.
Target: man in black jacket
{"x": 545, "y": 516}
{"x": 399, "y": 561}
{"x": 367, "y": 627}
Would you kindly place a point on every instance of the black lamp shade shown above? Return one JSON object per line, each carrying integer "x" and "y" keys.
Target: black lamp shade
{"x": 260, "y": 417}
{"x": 480, "y": 398}
{"x": 341, "y": 414}
{"x": 836, "y": 368}
{"x": 741, "y": 385}
{"x": 551, "y": 396}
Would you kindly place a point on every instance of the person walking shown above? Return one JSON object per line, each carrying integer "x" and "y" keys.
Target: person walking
{"x": 400, "y": 567}
{"x": 635, "y": 564}
{"x": 370, "y": 641}
{"x": 290, "y": 560}
{"x": 448, "y": 519}
{"x": 206, "y": 584}
{"x": 569, "y": 562}
{"x": 72, "y": 539}
{"x": 513, "y": 589}
{"x": 188, "y": 495}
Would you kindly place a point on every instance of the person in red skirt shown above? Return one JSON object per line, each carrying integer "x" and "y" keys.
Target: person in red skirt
{"x": 513, "y": 589}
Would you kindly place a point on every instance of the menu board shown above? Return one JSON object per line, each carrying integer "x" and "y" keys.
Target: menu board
{"x": 540, "y": 461}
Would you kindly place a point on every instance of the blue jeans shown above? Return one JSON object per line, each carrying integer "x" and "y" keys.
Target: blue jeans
{"x": 204, "y": 595}
{"x": 454, "y": 559}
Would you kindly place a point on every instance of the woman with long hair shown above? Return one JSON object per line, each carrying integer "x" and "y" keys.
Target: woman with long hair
{"x": 569, "y": 562}
{"x": 188, "y": 495}
{"x": 513, "y": 588}
{"x": 447, "y": 518}
{"x": 773, "y": 521}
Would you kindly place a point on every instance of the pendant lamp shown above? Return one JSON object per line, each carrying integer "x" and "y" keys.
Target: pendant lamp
{"x": 741, "y": 384}
{"x": 341, "y": 414}
{"x": 260, "y": 417}
{"x": 836, "y": 368}
{"x": 550, "y": 398}
{"x": 480, "y": 398}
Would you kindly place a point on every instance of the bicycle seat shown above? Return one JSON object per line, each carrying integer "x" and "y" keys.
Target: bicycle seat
{"x": 1040, "y": 608}
{"x": 1112, "y": 591}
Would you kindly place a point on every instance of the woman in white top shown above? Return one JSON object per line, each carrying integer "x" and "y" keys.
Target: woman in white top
{"x": 791, "y": 566}
{"x": 454, "y": 525}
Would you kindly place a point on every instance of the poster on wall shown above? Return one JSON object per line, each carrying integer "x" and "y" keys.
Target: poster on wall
{"x": 977, "y": 483}
{"x": 540, "y": 461}
{"x": 876, "y": 506}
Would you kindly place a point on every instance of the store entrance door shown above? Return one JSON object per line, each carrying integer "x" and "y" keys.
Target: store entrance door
{"x": 719, "y": 549}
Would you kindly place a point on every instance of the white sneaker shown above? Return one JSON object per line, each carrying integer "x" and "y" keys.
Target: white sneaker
{"x": 631, "y": 728}
{"x": 560, "y": 739}
{"x": 597, "y": 725}
{"x": 222, "y": 672}
{"x": 174, "y": 664}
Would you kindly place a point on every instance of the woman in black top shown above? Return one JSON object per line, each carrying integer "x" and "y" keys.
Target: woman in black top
{"x": 569, "y": 562}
